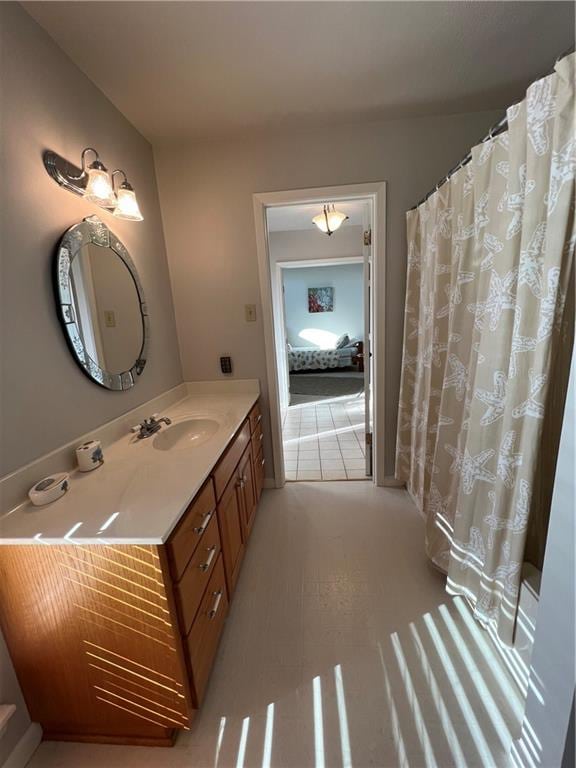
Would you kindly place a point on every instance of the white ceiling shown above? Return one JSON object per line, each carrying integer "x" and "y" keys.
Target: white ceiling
{"x": 181, "y": 70}
{"x": 290, "y": 217}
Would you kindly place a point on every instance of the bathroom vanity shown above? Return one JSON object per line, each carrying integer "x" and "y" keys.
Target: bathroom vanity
{"x": 113, "y": 621}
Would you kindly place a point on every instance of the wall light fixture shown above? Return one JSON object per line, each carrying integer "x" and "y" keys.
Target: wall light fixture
{"x": 94, "y": 183}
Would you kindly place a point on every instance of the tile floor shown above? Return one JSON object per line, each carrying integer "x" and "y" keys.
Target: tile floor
{"x": 324, "y": 440}
{"x": 341, "y": 649}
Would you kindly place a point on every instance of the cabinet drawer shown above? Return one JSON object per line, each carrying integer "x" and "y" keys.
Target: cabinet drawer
{"x": 257, "y": 440}
{"x": 202, "y": 640}
{"x": 229, "y": 461}
{"x": 191, "y": 587}
{"x": 255, "y": 416}
{"x": 186, "y": 537}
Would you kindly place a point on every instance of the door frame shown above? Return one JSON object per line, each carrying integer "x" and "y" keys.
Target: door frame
{"x": 376, "y": 193}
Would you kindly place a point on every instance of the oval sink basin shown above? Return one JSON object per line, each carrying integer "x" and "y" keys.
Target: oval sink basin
{"x": 185, "y": 434}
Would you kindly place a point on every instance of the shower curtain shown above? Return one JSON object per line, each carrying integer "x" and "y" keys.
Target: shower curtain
{"x": 490, "y": 255}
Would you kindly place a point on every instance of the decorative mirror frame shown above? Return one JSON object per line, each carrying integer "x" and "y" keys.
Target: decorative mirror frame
{"x": 92, "y": 230}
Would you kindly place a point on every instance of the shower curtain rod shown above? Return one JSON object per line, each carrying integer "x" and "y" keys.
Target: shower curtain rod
{"x": 498, "y": 128}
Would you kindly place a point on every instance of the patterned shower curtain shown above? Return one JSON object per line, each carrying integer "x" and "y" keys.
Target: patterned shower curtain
{"x": 490, "y": 258}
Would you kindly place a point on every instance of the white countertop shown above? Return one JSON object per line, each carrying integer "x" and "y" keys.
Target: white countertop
{"x": 138, "y": 495}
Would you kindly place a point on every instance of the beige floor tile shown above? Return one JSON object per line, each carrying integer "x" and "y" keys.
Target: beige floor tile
{"x": 337, "y": 619}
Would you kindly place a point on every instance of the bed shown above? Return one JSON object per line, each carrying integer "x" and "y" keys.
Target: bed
{"x": 312, "y": 358}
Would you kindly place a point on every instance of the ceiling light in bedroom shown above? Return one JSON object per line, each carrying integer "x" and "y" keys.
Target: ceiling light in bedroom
{"x": 329, "y": 220}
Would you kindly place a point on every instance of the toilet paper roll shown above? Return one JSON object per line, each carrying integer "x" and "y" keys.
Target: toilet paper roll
{"x": 89, "y": 456}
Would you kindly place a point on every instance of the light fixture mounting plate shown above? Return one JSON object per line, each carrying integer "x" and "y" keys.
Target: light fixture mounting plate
{"x": 67, "y": 175}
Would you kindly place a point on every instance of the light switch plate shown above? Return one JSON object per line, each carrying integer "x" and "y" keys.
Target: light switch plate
{"x": 109, "y": 318}
{"x": 250, "y": 313}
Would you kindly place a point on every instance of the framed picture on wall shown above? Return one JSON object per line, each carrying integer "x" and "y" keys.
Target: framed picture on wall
{"x": 320, "y": 299}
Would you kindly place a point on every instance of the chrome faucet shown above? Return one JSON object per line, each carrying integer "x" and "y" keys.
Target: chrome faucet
{"x": 150, "y": 426}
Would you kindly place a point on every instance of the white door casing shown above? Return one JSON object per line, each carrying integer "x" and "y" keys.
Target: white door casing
{"x": 375, "y": 192}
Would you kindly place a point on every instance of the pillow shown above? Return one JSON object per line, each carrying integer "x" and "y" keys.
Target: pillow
{"x": 342, "y": 341}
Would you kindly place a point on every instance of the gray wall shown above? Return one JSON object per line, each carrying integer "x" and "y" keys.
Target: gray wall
{"x": 206, "y": 195}
{"x": 49, "y": 103}
{"x": 304, "y": 244}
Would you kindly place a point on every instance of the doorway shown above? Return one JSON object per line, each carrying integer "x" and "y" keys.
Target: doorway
{"x": 324, "y": 333}
{"x": 324, "y": 423}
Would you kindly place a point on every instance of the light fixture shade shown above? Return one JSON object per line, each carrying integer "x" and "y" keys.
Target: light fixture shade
{"x": 99, "y": 186}
{"x": 126, "y": 204}
{"x": 335, "y": 219}
{"x": 329, "y": 220}
{"x": 321, "y": 222}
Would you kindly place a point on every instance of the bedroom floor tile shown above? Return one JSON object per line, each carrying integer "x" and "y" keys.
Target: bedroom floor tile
{"x": 332, "y": 464}
{"x": 334, "y": 474}
{"x": 309, "y": 474}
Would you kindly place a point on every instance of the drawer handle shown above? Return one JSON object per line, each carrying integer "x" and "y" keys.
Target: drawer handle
{"x": 261, "y": 436}
{"x": 204, "y": 567}
{"x": 214, "y": 610}
{"x": 241, "y": 482}
{"x": 202, "y": 527}
{"x": 263, "y": 462}
{"x": 259, "y": 418}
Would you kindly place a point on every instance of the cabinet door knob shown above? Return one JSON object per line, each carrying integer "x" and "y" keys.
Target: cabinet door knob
{"x": 204, "y": 567}
{"x": 202, "y": 527}
{"x": 214, "y": 610}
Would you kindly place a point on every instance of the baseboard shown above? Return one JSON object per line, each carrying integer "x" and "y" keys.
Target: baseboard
{"x": 23, "y": 751}
{"x": 391, "y": 482}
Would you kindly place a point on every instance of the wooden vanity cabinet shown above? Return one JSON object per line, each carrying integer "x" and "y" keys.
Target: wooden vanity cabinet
{"x": 115, "y": 643}
{"x": 248, "y": 488}
{"x": 230, "y": 522}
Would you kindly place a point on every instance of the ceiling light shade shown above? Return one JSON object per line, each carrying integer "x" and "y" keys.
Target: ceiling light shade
{"x": 329, "y": 220}
{"x": 99, "y": 185}
{"x": 126, "y": 204}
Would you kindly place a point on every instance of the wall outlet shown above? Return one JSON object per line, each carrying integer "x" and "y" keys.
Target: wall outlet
{"x": 250, "y": 313}
{"x": 226, "y": 364}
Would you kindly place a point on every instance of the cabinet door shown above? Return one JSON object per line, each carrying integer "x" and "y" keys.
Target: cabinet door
{"x": 259, "y": 475}
{"x": 247, "y": 481}
{"x": 230, "y": 523}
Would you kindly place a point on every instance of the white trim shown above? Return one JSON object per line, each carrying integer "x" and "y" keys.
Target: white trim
{"x": 303, "y": 263}
{"x": 376, "y": 192}
{"x": 23, "y": 751}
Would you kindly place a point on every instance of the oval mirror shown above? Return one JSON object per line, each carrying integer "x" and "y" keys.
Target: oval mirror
{"x": 101, "y": 304}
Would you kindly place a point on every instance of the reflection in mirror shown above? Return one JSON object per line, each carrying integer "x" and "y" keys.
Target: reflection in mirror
{"x": 107, "y": 308}
{"x": 101, "y": 304}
